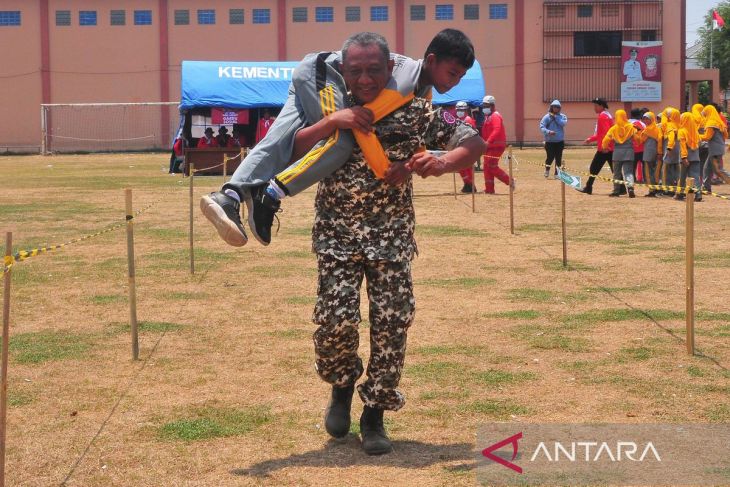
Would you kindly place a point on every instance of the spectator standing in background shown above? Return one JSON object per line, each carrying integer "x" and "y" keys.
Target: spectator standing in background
{"x": 467, "y": 175}
{"x": 223, "y": 138}
{"x": 552, "y": 127}
{"x": 265, "y": 123}
{"x": 601, "y": 157}
{"x": 651, "y": 138}
{"x": 494, "y": 134}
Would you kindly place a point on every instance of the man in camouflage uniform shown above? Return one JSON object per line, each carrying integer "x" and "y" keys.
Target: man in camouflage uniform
{"x": 364, "y": 227}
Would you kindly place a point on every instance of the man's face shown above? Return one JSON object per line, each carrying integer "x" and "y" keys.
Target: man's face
{"x": 444, "y": 74}
{"x": 633, "y": 55}
{"x": 366, "y": 71}
{"x": 597, "y": 108}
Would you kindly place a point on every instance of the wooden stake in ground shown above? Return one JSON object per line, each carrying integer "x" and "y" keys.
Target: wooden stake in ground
{"x": 473, "y": 190}
{"x": 225, "y": 164}
{"x": 690, "y": 270}
{"x": 563, "y": 225}
{"x": 511, "y": 193}
{"x": 4, "y": 364}
{"x": 131, "y": 274}
{"x": 192, "y": 250}
{"x": 454, "y": 174}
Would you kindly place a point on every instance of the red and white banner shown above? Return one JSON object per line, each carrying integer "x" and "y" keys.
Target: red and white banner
{"x": 228, "y": 116}
{"x": 717, "y": 21}
{"x": 641, "y": 75}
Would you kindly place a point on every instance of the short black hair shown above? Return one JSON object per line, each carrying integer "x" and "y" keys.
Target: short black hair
{"x": 636, "y": 113}
{"x": 452, "y": 44}
{"x": 600, "y": 101}
{"x": 367, "y": 39}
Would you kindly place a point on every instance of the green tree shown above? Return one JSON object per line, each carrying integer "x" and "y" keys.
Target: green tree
{"x": 720, "y": 42}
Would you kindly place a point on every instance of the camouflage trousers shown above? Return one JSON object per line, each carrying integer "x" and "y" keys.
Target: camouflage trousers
{"x": 337, "y": 314}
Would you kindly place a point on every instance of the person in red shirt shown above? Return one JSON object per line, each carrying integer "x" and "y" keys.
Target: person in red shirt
{"x": 494, "y": 134}
{"x": 603, "y": 124}
{"x": 207, "y": 140}
{"x": 467, "y": 175}
{"x": 223, "y": 139}
{"x": 265, "y": 123}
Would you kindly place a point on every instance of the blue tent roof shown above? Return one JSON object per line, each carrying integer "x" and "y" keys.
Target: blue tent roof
{"x": 266, "y": 84}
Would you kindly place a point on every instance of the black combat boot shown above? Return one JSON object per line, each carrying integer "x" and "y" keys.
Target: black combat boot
{"x": 337, "y": 415}
{"x": 374, "y": 439}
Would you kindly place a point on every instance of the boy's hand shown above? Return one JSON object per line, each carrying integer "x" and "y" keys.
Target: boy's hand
{"x": 397, "y": 174}
{"x": 685, "y": 162}
{"x": 426, "y": 164}
{"x": 354, "y": 118}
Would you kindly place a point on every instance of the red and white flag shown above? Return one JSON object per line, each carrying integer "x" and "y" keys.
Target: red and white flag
{"x": 717, "y": 21}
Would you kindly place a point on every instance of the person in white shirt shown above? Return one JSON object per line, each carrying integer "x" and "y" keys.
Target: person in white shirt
{"x": 632, "y": 67}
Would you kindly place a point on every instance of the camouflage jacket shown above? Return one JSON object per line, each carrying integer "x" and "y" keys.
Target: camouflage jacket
{"x": 360, "y": 216}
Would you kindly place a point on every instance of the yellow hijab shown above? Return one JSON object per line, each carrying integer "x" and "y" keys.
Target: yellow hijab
{"x": 652, "y": 129}
{"x": 688, "y": 130}
{"x": 622, "y": 129}
{"x": 712, "y": 119}
{"x": 697, "y": 115}
{"x": 670, "y": 120}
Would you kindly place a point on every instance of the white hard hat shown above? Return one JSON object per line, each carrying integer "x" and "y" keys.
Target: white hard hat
{"x": 489, "y": 99}
{"x": 461, "y": 104}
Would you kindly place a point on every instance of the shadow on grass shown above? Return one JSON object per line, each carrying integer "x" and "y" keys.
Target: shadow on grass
{"x": 347, "y": 452}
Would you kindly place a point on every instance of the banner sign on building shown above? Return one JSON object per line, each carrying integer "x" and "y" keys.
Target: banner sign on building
{"x": 228, "y": 116}
{"x": 641, "y": 75}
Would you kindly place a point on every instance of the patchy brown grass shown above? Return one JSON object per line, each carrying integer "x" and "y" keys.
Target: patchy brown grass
{"x": 225, "y": 393}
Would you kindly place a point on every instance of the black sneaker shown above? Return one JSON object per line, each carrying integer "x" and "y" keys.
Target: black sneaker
{"x": 261, "y": 213}
{"x": 468, "y": 188}
{"x": 587, "y": 190}
{"x": 224, "y": 213}
{"x": 631, "y": 193}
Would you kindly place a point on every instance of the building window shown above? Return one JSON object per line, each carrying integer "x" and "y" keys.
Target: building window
{"x": 63, "y": 18}
{"x": 206, "y": 17}
{"x": 648, "y": 35}
{"x": 555, "y": 11}
{"x": 182, "y": 17}
{"x": 445, "y": 12}
{"x": 352, "y": 14}
{"x": 379, "y": 13}
{"x": 498, "y": 11}
{"x": 118, "y": 17}
{"x": 609, "y": 10}
{"x": 235, "y": 16}
{"x": 261, "y": 16}
{"x": 602, "y": 43}
{"x": 87, "y": 17}
{"x": 299, "y": 14}
{"x": 471, "y": 11}
{"x": 324, "y": 14}
{"x": 585, "y": 11}
{"x": 143, "y": 17}
{"x": 418, "y": 12}
{"x": 9, "y": 18}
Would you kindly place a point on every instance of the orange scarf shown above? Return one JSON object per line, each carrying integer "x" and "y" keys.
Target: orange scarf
{"x": 652, "y": 129}
{"x": 688, "y": 131}
{"x": 697, "y": 115}
{"x": 670, "y": 120}
{"x": 713, "y": 120}
{"x": 622, "y": 130}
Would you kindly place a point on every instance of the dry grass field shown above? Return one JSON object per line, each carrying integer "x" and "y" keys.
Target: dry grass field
{"x": 225, "y": 392}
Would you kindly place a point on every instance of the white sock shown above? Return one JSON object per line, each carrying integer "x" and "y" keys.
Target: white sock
{"x": 276, "y": 189}
{"x": 233, "y": 194}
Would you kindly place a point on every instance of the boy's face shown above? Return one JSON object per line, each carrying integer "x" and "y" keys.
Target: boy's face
{"x": 366, "y": 71}
{"x": 444, "y": 74}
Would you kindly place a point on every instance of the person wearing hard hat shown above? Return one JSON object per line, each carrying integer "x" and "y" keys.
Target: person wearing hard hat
{"x": 467, "y": 175}
{"x": 493, "y": 133}
{"x": 552, "y": 127}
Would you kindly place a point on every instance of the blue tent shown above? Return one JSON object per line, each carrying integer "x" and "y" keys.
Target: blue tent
{"x": 265, "y": 84}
